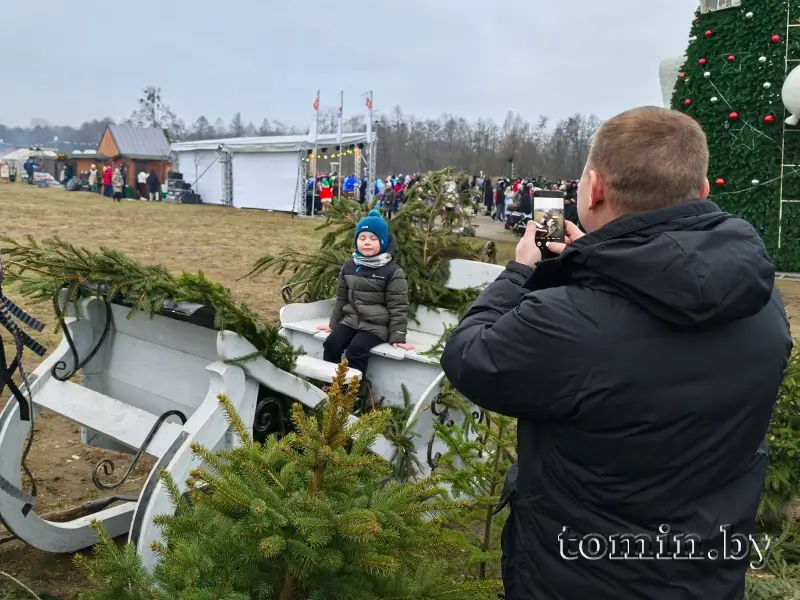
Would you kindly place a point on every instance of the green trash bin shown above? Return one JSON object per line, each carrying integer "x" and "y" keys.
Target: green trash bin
{"x": 129, "y": 192}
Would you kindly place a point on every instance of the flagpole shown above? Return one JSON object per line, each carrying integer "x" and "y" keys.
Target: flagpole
{"x": 370, "y": 148}
{"x": 339, "y": 138}
{"x": 314, "y": 170}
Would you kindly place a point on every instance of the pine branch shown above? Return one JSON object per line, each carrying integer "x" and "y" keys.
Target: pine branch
{"x": 43, "y": 267}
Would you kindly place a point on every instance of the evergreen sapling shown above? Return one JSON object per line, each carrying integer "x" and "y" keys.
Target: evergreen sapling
{"x": 312, "y": 516}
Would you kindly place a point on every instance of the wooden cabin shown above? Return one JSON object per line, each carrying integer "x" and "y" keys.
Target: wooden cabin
{"x": 136, "y": 149}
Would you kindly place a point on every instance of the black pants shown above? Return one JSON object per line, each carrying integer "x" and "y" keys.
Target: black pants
{"x": 354, "y": 344}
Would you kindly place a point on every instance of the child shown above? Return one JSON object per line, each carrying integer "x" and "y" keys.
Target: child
{"x": 371, "y": 298}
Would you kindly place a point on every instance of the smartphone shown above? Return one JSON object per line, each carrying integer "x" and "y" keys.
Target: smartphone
{"x": 548, "y": 215}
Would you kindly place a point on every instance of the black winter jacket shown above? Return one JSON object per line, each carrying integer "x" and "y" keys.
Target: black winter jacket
{"x": 642, "y": 365}
{"x": 374, "y": 300}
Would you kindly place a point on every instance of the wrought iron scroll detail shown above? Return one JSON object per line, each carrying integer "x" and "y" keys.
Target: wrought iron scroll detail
{"x": 488, "y": 252}
{"x": 269, "y": 419}
{"x": 77, "y": 363}
{"x": 478, "y": 417}
{"x": 288, "y": 298}
{"x": 107, "y": 466}
{"x": 441, "y": 411}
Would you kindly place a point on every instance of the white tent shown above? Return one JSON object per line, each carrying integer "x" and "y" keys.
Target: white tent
{"x": 265, "y": 171}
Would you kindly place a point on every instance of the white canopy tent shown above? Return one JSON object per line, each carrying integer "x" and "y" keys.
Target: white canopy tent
{"x": 265, "y": 172}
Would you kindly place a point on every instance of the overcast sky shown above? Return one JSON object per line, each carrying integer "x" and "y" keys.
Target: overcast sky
{"x": 266, "y": 58}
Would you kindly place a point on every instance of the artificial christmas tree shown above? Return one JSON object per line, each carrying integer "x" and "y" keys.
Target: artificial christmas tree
{"x": 739, "y": 69}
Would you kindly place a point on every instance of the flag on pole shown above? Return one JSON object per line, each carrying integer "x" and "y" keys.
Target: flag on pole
{"x": 313, "y": 131}
{"x": 339, "y": 117}
{"x": 369, "y": 117}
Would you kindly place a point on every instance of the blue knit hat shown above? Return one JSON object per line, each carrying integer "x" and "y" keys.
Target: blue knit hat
{"x": 375, "y": 224}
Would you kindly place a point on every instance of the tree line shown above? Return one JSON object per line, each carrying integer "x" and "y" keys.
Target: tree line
{"x": 406, "y": 143}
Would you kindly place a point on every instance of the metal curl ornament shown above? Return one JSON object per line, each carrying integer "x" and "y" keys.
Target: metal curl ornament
{"x": 442, "y": 419}
{"x": 107, "y": 465}
{"x": 286, "y": 295}
{"x": 77, "y": 364}
{"x": 264, "y": 422}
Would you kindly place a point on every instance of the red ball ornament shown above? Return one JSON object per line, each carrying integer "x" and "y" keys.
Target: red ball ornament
{"x": 776, "y": 38}
{"x": 709, "y": 33}
{"x": 734, "y": 116}
{"x": 720, "y": 182}
{"x": 697, "y": 18}
{"x": 681, "y": 75}
{"x": 702, "y": 61}
{"x": 732, "y": 58}
{"x": 687, "y": 102}
{"x": 769, "y": 119}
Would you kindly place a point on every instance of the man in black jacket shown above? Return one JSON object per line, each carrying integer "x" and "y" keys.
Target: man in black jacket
{"x": 642, "y": 364}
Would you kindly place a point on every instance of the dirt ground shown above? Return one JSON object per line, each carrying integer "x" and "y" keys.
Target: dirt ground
{"x": 222, "y": 242}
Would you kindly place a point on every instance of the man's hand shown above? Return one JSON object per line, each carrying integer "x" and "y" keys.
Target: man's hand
{"x": 323, "y": 328}
{"x": 572, "y": 233}
{"x": 528, "y": 252}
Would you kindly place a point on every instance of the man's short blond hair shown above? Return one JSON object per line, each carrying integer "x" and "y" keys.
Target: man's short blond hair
{"x": 649, "y": 158}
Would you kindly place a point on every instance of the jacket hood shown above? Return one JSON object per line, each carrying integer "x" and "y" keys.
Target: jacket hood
{"x": 689, "y": 265}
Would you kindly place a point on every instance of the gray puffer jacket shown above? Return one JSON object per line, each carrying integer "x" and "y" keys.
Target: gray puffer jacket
{"x": 374, "y": 300}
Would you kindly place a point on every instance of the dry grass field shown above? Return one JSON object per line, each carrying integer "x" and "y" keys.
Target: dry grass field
{"x": 222, "y": 242}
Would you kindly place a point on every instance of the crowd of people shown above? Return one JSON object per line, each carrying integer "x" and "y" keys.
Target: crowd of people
{"x": 113, "y": 181}
{"x": 504, "y": 199}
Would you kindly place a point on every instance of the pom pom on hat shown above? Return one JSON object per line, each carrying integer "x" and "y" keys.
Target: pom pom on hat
{"x": 375, "y": 224}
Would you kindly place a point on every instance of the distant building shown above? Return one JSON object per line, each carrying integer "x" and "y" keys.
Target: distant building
{"x": 133, "y": 148}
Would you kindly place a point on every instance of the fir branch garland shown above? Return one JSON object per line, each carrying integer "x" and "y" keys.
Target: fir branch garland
{"x": 43, "y": 267}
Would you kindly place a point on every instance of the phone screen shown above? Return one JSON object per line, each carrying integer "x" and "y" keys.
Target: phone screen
{"x": 548, "y": 214}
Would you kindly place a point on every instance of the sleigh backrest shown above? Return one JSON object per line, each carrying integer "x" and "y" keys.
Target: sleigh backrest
{"x": 154, "y": 363}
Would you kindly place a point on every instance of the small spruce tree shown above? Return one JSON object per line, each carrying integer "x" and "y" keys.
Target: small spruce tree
{"x": 312, "y": 516}
{"x": 479, "y": 455}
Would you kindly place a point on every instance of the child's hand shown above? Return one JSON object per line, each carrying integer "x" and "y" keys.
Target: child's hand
{"x": 323, "y": 328}
{"x": 404, "y": 346}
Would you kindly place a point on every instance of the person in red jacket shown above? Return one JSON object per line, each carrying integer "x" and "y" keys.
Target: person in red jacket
{"x": 108, "y": 190}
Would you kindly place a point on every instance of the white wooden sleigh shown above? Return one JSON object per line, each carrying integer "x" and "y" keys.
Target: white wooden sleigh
{"x": 391, "y": 369}
{"x": 149, "y": 385}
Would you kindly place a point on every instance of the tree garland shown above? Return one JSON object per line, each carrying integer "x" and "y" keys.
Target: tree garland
{"x": 43, "y": 268}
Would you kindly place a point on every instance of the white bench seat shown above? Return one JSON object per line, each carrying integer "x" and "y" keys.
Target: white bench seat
{"x": 421, "y": 341}
{"x": 117, "y": 420}
{"x": 319, "y": 370}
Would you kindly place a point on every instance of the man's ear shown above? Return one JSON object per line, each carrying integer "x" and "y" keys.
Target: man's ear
{"x": 597, "y": 190}
{"x": 705, "y": 190}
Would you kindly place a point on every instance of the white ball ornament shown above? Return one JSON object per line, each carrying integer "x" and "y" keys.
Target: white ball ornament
{"x": 755, "y": 182}
{"x": 790, "y": 94}
{"x": 767, "y": 85}
{"x": 749, "y": 15}
{"x": 714, "y": 100}
{"x": 762, "y": 59}
{"x": 707, "y": 74}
